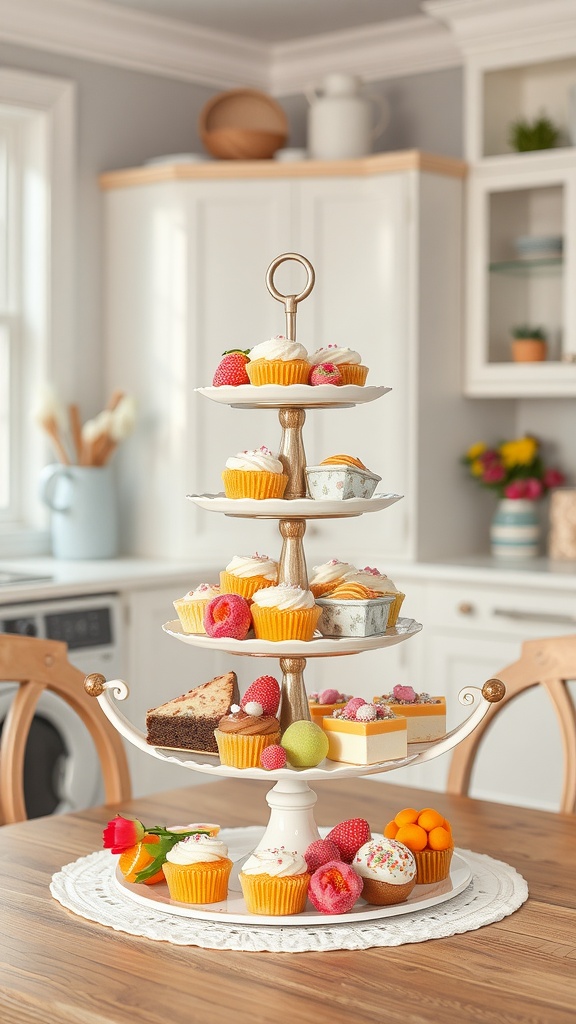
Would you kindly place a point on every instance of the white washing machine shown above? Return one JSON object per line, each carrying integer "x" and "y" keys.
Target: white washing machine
{"x": 62, "y": 772}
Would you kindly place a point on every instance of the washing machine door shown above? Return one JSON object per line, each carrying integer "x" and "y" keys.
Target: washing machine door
{"x": 61, "y": 769}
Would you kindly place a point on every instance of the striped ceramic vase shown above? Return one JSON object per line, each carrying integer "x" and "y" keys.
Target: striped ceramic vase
{"x": 515, "y": 529}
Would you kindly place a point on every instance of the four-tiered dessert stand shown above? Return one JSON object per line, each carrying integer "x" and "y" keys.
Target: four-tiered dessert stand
{"x": 291, "y": 800}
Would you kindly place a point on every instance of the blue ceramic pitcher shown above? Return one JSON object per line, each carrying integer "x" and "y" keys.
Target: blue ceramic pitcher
{"x": 84, "y": 517}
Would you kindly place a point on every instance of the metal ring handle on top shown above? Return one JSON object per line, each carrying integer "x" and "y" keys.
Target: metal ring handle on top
{"x": 290, "y": 301}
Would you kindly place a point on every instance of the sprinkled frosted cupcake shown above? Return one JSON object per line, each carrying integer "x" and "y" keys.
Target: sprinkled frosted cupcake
{"x": 244, "y": 575}
{"x": 329, "y": 575}
{"x": 378, "y": 581}
{"x": 347, "y": 360}
{"x": 197, "y": 870}
{"x": 387, "y": 869}
{"x": 284, "y": 612}
{"x": 191, "y": 607}
{"x": 278, "y": 361}
{"x": 275, "y": 882}
{"x": 254, "y": 474}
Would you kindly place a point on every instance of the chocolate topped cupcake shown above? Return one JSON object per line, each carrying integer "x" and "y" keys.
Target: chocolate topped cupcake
{"x": 242, "y": 735}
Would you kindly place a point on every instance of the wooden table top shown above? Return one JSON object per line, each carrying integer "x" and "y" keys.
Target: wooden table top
{"x": 58, "y": 968}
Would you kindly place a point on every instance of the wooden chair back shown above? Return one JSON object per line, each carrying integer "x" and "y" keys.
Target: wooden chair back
{"x": 551, "y": 664}
{"x": 39, "y": 665}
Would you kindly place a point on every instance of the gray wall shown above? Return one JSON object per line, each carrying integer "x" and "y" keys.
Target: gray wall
{"x": 426, "y": 112}
{"x": 125, "y": 117}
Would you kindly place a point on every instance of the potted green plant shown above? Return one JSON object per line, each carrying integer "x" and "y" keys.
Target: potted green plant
{"x": 526, "y": 135}
{"x": 529, "y": 344}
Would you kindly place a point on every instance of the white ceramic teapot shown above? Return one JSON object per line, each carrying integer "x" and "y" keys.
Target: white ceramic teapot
{"x": 341, "y": 118}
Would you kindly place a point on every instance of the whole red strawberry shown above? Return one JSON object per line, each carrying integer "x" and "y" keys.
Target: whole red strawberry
{"x": 273, "y": 757}
{"x": 325, "y": 373}
{"x": 266, "y": 691}
{"x": 320, "y": 852}
{"x": 231, "y": 369}
{"x": 349, "y": 836}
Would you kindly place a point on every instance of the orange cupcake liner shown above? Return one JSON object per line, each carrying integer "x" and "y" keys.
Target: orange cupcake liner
{"x": 204, "y": 882}
{"x": 432, "y": 865}
{"x": 353, "y": 373}
{"x": 246, "y": 586}
{"x": 264, "y": 894}
{"x": 247, "y": 483}
{"x": 395, "y": 609}
{"x": 320, "y": 589}
{"x": 191, "y": 614}
{"x": 274, "y": 625}
{"x": 278, "y": 371}
{"x": 243, "y": 751}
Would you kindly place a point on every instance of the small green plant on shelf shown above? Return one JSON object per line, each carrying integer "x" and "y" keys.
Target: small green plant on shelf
{"x": 529, "y": 344}
{"x": 525, "y": 331}
{"x": 541, "y": 133}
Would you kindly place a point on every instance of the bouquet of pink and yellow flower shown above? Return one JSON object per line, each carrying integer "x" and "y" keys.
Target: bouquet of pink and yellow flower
{"x": 513, "y": 469}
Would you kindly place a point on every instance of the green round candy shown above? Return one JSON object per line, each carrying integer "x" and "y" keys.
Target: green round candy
{"x": 305, "y": 743}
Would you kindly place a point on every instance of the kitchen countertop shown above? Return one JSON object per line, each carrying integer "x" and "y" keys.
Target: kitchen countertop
{"x": 71, "y": 578}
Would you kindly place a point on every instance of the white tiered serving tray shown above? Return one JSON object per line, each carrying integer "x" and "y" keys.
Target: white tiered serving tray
{"x": 291, "y": 800}
{"x": 319, "y": 647}
{"x": 233, "y": 909}
{"x": 295, "y": 508}
{"x": 300, "y": 396}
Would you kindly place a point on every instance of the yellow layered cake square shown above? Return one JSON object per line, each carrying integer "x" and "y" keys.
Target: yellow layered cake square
{"x": 356, "y": 742}
{"x": 425, "y": 715}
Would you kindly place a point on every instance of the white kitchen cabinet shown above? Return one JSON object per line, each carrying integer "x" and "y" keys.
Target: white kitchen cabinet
{"x": 471, "y": 632}
{"x": 510, "y": 197}
{"x": 519, "y": 62}
{"x": 186, "y": 255}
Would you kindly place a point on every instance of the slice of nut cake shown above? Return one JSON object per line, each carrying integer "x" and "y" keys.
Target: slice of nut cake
{"x": 188, "y": 722}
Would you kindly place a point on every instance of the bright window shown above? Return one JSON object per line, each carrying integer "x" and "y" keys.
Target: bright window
{"x": 36, "y": 286}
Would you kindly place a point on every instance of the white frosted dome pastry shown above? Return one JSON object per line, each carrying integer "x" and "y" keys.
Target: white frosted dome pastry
{"x": 278, "y": 347}
{"x": 278, "y": 361}
{"x": 388, "y": 870}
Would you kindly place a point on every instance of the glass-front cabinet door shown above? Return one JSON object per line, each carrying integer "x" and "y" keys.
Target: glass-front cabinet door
{"x": 521, "y": 277}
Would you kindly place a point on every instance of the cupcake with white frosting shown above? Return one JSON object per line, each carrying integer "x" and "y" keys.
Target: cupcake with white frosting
{"x": 347, "y": 360}
{"x": 329, "y": 575}
{"x": 285, "y": 612}
{"x": 197, "y": 870}
{"x": 275, "y": 882}
{"x": 254, "y": 474}
{"x": 382, "y": 584}
{"x": 190, "y": 608}
{"x": 245, "y": 575}
{"x": 278, "y": 361}
{"x": 387, "y": 869}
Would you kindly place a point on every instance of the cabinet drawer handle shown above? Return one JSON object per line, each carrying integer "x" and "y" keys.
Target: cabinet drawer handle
{"x": 511, "y": 613}
{"x": 466, "y": 608}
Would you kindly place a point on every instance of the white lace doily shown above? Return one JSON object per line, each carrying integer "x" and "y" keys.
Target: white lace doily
{"x": 88, "y": 888}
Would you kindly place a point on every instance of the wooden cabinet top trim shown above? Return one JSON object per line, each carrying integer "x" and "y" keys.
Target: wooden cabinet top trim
{"x": 218, "y": 170}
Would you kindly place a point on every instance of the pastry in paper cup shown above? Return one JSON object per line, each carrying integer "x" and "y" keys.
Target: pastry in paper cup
{"x": 354, "y": 610}
{"x": 340, "y": 477}
{"x": 256, "y": 474}
{"x": 275, "y": 882}
{"x": 278, "y": 361}
{"x": 284, "y": 612}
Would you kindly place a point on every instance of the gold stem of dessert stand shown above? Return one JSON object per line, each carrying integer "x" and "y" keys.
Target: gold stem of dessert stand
{"x": 292, "y": 563}
{"x": 291, "y": 452}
